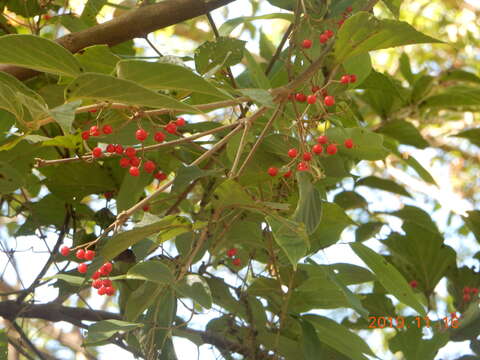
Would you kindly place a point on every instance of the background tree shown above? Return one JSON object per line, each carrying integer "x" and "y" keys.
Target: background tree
{"x": 277, "y": 191}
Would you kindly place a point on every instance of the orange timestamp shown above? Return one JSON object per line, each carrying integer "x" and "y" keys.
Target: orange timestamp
{"x": 400, "y": 322}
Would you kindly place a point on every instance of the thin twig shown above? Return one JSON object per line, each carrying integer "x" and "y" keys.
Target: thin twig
{"x": 27, "y": 340}
{"x": 152, "y": 46}
{"x": 279, "y": 49}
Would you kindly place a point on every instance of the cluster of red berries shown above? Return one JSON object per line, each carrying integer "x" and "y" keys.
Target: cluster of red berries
{"x": 130, "y": 160}
{"x": 317, "y": 149}
{"x": 469, "y": 293}
{"x": 324, "y": 37}
{"x": 104, "y": 286}
{"x": 346, "y": 79}
{"x": 231, "y": 253}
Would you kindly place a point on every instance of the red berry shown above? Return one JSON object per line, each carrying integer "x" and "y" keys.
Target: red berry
{"x": 106, "y": 269}
{"x": 329, "y": 100}
{"x": 311, "y": 99}
{"x": 349, "y": 9}
{"x": 146, "y": 207}
{"x": 109, "y": 290}
{"x": 160, "y": 176}
{"x": 130, "y": 151}
{"x": 307, "y": 156}
{"x": 80, "y": 254}
{"x": 102, "y": 291}
{"x": 322, "y": 139}
{"x": 292, "y": 153}
{"x": 413, "y": 284}
{"x": 237, "y": 262}
{"x": 134, "y": 171}
{"x": 107, "y": 129}
{"x": 119, "y": 149}
{"x": 353, "y": 78}
{"x": 323, "y": 38}
{"x": 124, "y": 162}
{"x": 159, "y": 136}
{"x": 345, "y": 79}
{"x": 272, "y": 171}
{"x": 65, "y": 250}
{"x": 315, "y": 89}
{"x": 85, "y": 134}
{"x": 474, "y": 291}
{"x": 466, "y": 290}
{"x": 467, "y": 297}
{"x": 340, "y": 23}
{"x": 332, "y": 149}
{"x": 348, "y": 143}
{"x": 93, "y": 111}
{"x": 231, "y": 252}
{"x": 329, "y": 33}
{"x": 307, "y": 44}
{"x": 97, "y": 152}
{"x": 82, "y": 268}
{"x": 47, "y": 17}
{"x": 302, "y": 166}
{"x": 288, "y": 174}
{"x": 97, "y": 284}
{"x": 89, "y": 255}
{"x": 134, "y": 161}
{"x": 149, "y": 166}
{"x": 110, "y": 148}
{"x": 141, "y": 134}
{"x": 300, "y": 97}
{"x": 107, "y": 282}
{"x": 171, "y": 128}
{"x": 180, "y": 121}
{"x": 94, "y": 130}
{"x": 317, "y": 149}
{"x": 96, "y": 275}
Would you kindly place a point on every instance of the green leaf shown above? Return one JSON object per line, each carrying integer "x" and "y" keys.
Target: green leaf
{"x": 363, "y": 32}
{"x": 91, "y": 10}
{"x": 405, "y": 68}
{"x": 256, "y": 73}
{"x": 367, "y": 145}
{"x": 290, "y": 236}
{"x": 131, "y": 190}
{"x": 471, "y": 134}
{"x": 417, "y": 216}
{"x": 10, "y": 178}
{"x": 98, "y": 59}
{"x": 383, "y": 184}
{"x": 411, "y": 343}
{"x": 404, "y": 132}
{"x": 459, "y": 75}
{"x": 107, "y": 88}
{"x": 224, "y": 50}
{"x": 473, "y": 222}
{"x": 152, "y": 270}
{"x": 142, "y": 297}
{"x": 230, "y": 193}
{"x": 393, "y": 6}
{"x": 230, "y": 25}
{"x": 310, "y": 341}
{"x": 284, "y": 4}
{"x": 3, "y": 345}
{"x": 454, "y": 97}
{"x": 105, "y": 329}
{"x": 122, "y": 241}
{"x": 159, "y": 76}
{"x": 34, "y": 52}
{"x": 339, "y": 337}
{"x": 360, "y": 65}
{"x": 196, "y": 288}
{"x": 64, "y": 115}
{"x": 350, "y": 200}
{"x": 186, "y": 174}
{"x": 349, "y": 295}
{"x": 309, "y": 206}
{"x": 368, "y": 230}
{"x": 261, "y": 96}
{"x": 388, "y": 276}
{"x": 334, "y": 221}
{"x": 8, "y": 103}
{"x": 18, "y": 86}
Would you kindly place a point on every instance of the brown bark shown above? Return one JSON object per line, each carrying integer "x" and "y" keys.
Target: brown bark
{"x": 133, "y": 24}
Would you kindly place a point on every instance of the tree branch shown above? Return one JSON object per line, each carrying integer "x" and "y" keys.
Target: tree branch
{"x": 133, "y": 24}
